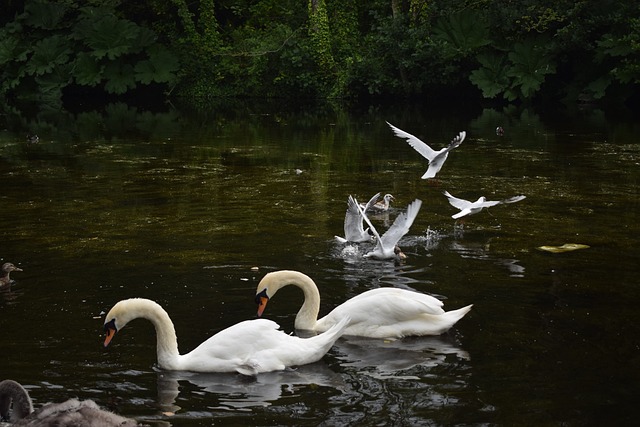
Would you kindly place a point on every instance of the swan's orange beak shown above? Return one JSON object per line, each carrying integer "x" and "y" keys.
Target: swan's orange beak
{"x": 262, "y": 299}
{"x": 110, "y": 330}
{"x": 262, "y": 304}
{"x": 110, "y": 334}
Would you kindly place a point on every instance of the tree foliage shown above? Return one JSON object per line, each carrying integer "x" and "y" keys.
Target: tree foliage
{"x": 510, "y": 51}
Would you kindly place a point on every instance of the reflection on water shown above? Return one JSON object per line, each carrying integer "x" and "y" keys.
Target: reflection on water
{"x": 192, "y": 209}
{"x": 232, "y": 391}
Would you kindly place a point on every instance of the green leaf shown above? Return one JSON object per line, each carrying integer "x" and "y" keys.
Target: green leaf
{"x": 465, "y": 31}
{"x": 598, "y": 87}
{"x": 119, "y": 77}
{"x": 530, "y": 66}
{"x": 47, "y": 54}
{"x": 87, "y": 70}
{"x": 108, "y": 35}
{"x": 492, "y": 78}
{"x": 8, "y": 46}
{"x": 47, "y": 16}
{"x": 160, "y": 67}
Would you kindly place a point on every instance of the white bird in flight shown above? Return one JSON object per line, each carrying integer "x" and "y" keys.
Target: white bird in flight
{"x": 470, "y": 208}
{"x": 436, "y": 158}
{"x": 353, "y": 229}
{"x": 387, "y": 245}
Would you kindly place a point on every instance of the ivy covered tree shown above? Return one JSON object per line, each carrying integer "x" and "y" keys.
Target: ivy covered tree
{"x": 507, "y": 51}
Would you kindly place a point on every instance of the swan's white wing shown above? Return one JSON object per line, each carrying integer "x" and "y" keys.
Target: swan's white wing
{"x": 456, "y": 202}
{"x": 393, "y": 313}
{"x": 401, "y": 225}
{"x": 415, "y": 142}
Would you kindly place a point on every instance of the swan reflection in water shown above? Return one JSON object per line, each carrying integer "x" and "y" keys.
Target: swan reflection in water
{"x": 380, "y": 359}
{"x": 239, "y": 392}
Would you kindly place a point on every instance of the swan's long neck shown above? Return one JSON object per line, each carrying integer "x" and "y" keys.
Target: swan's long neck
{"x": 308, "y": 315}
{"x": 167, "y": 341}
{"x": 11, "y": 390}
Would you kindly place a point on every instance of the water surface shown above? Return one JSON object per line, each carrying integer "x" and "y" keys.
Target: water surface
{"x": 191, "y": 209}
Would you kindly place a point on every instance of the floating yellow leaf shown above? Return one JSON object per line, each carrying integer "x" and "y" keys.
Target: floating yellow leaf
{"x": 564, "y": 248}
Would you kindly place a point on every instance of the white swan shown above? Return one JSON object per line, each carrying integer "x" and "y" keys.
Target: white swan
{"x": 72, "y": 412}
{"x": 470, "y": 208}
{"x": 377, "y": 313}
{"x": 248, "y": 347}
{"x": 436, "y": 158}
{"x": 381, "y": 206}
{"x": 353, "y": 230}
{"x": 387, "y": 245}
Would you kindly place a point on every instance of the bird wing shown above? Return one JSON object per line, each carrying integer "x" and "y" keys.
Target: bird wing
{"x": 514, "y": 199}
{"x": 371, "y": 227}
{"x": 353, "y": 221}
{"x": 455, "y": 142}
{"x": 401, "y": 225}
{"x": 440, "y": 156}
{"x": 456, "y": 202}
{"x": 372, "y": 201}
{"x": 416, "y": 143}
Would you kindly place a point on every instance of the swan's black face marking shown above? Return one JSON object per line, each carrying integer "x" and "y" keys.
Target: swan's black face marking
{"x": 110, "y": 330}
{"x": 262, "y": 299}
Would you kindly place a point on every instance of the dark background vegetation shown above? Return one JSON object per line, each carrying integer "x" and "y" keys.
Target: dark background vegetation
{"x": 482, "y": 50}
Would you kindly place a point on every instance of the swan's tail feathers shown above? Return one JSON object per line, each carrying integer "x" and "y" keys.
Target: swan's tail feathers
{"x": 453, "y": 316}
{"x": 336, "y": 331}
{"x": 340, "y": 239}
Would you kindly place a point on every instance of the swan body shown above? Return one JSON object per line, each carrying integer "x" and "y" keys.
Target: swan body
{"x": 471, "y": 208}
{"x": 72, "y": 412}
{"x": 353, "y": 229}
{"x": 381, "y": 206}
{"x": 248, "y": 347}
{"x": 7, "y": 268}
{"x": 387, "y": 245}
{"x": 377, "y": 313}
{"x": 436, "y": 158}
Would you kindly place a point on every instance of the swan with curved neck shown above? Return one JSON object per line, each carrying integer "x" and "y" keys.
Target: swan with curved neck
{"x": 248, "y": 347}
{"x": 13, "y": 391}
{"x": 377, "y": 313}
{"x": 72, "y": 412}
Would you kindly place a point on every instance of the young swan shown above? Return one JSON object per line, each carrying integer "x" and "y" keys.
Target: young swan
{"x": 377, "y": 313}
{"x": 13, "y": 391}
{"x": 72, "y": 412}
{"x": 248, "y": 347}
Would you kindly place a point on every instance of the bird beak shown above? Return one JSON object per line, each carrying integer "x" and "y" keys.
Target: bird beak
{"x": 110, "y": 334}
{"x": 110, "y": 329}
{"x": 17, "y": 269}
{"x": 262, "y": 299}
{"x": 262, "y": 304}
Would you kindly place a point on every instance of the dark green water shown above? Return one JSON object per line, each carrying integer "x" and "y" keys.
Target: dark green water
{"x": 180, "y": 206}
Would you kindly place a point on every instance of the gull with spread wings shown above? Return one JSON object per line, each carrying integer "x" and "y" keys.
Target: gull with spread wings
{"x": 387, "y": 245}
{"x": 436, "y": 158}
{"x": 470, "y": 208}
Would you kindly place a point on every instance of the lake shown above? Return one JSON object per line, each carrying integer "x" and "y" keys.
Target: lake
{"x": 191, "y": 208}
